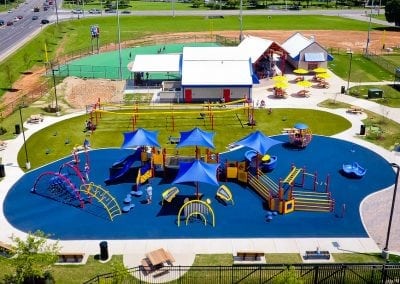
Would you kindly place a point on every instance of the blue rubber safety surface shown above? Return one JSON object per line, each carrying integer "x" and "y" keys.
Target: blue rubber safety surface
{"x": 247, "y": 218}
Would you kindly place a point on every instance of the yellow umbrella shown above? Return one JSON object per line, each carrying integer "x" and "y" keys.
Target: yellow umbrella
{"x": 324, "y": 75}
{"x": 279, "y": 78}
{"x": 281, "y": 85}
{"x": 320, "y": 70}
{"x": 304, "y": 84}
{"x": 300, "y": 71}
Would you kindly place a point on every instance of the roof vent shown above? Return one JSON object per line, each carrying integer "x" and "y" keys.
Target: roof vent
{"x": 312, "y": 38}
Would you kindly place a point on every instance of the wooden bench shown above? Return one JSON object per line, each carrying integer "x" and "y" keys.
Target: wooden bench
{"x": 146, "y": 265}
{"x": 317, "y": 255}
{"x": 73, "y": 257}
{"x": 249, "y": 258}
{"x": 249, "y": 255}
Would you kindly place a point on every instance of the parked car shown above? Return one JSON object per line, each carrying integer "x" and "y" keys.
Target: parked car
{"x": 36, "y": 9}
{"x": 125, "y": 12}
{"x": 94, "y": 11}
{"x": 109, "y": 10}
{"x": 20, "y": 17}
{"x": 45, "y": 21}
{"x": 2, "y": 23}
{"x": 35, "y": 17}
{"x": 77, "y": 11}
{"x": 10, "y": 23}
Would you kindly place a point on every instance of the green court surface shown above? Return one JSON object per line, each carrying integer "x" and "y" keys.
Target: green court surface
{"x": 106, "y": 65}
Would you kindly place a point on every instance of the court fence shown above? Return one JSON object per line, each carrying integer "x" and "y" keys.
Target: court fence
{"x": 335, "y": 273}
{"x": 381, "y": 61}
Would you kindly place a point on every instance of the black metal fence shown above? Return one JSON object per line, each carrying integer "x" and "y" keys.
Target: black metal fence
{"x": 269, "y": 273}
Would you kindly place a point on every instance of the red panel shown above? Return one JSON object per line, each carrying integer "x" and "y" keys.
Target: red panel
{"x": 227, "y": 95}
{"x": 188, "y": 95}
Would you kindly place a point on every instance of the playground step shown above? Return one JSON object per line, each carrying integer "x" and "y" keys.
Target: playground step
{"x": 259, "y": 187}
{"x": 312, "y": 208}
{"x": 292, "y": 175}
{"x": 311, "y": 193}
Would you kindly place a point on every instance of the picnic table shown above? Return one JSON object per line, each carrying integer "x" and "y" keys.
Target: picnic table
{"x": 35, "y": 118}
{"x": 304, "y": 93}
{"x": 159, "y": 256}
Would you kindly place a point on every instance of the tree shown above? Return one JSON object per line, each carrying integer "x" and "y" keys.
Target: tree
{"x": 392, "y": 12}
{"x": 33, "y": 258}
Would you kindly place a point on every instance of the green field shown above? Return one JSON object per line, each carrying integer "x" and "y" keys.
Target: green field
{"x": 74, "y": 37}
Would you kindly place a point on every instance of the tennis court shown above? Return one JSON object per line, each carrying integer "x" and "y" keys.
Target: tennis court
{"x": 106, "y": 65}
{"x": 245, "y": 219}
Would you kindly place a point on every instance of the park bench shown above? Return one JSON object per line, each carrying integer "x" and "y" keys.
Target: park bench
{"x": 317, "y": 255}
{"x": 249, "y": 257}
{"x": 71, "y": 258}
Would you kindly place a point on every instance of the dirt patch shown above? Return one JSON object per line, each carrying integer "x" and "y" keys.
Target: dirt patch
{"x": 80, "y": 92}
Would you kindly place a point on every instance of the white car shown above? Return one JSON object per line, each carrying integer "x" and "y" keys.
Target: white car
{"x": 77, "y": 11}
{"x": 94, "y": 11}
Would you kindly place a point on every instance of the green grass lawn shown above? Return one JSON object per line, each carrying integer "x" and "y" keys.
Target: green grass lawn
{"x": 49, "y": 144}
{"x": 362, "y": 69}
{"x": 71, "y": 274}
{"x": 73, "y": 36}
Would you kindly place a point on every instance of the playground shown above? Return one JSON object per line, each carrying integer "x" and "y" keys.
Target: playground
{"x": 245, "y": 217}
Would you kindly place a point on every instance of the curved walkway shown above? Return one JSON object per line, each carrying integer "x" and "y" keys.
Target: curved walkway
{"x": 374, "y": 210}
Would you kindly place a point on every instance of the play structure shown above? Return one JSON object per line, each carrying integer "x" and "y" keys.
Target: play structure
{"x": 285, "y": 196}
{"x": 225, "y": 194}
{"x": 267, "y": 163}
{"x": 169, "y": 194}
{"x": 197, "y": 209}
{"x": 103, "y": 197}
{"x": 300, "y": 135}
{"x": 70, "y": 185}
{"x": 354, "y": 170}
{"x": 207, "y": 112}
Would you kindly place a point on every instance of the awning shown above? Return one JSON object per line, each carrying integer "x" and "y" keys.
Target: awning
{"x": 314, "y": 57}
{"x": 156, "y": 63}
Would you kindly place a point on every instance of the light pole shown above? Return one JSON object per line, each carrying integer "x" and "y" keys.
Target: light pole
{"x": 368, "y": 36}
{"x": 55, "y": 5}
{"x": 55, "y": 90}
{"x": 241, "y": 21}
{"x": 348, "y": 75}
{"x": 27, "y": 163}
{"x": 119, "y": 44}
{"x": 385, "y": 252}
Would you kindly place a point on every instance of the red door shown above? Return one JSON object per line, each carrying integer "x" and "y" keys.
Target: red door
{"x": 227, "y": 95}
{"x": 188, "y": 95}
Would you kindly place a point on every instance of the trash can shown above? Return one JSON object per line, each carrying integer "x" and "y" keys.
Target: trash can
{"x": 2, "y": 171}
{"x": 17, "y": 129}
{"x": 362, "y": 129}
{"x": 342, "y": 89}
{"x": 103, "y": 250}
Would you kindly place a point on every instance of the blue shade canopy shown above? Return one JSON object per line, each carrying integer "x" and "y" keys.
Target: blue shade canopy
{"x": 301, "y": 126}
{"x": 197, "y": 171}
{"x": 196, "y": 137}
{"x": 140, "y": 137}
{"x": 258, "y": 141}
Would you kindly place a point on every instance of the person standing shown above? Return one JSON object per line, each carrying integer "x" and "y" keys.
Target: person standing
{"x": 149, "y": 192}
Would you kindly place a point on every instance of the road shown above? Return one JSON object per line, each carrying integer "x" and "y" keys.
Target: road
{"x": 13, "y": 37}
